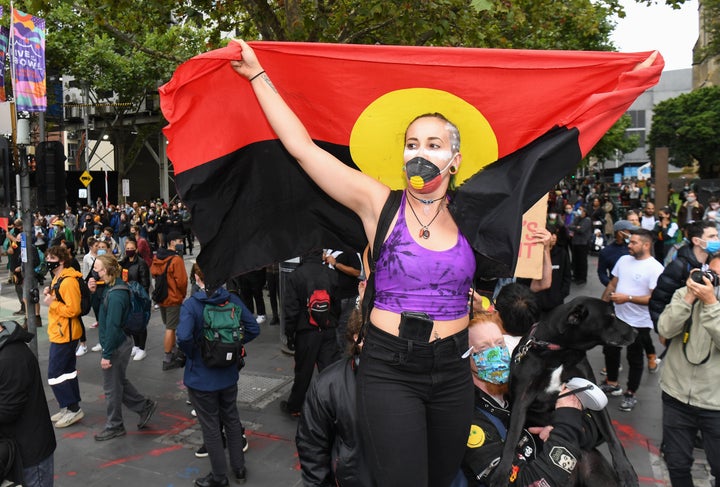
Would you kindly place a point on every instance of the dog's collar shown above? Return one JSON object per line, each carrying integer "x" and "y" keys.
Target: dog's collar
{"x": 533, "y": 342}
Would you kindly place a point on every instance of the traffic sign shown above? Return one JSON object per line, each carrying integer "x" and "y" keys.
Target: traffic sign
{"x": 86, "y": 178}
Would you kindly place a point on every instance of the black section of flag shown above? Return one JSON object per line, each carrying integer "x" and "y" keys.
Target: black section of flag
{"x": 256, "y": 206}
{"x": 489, "y": 206}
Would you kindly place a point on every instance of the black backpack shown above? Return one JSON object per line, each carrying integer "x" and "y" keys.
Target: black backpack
{"x": 160, "y": 293}
{"x": 85, "y": 295}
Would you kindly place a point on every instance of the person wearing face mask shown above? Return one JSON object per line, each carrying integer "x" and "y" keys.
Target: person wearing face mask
{"x": 116, "y": 347}
{"x": 64, "y": 331}
{"x": 691, "y": 210}
{"x": 703, "y": 241}
{"x": 712, "y": 213}
{"x": 143, "y": 246}
{"x": 415, "y": 410}
{"x": 490, "y": 369}
{"x": 135, "y": 269}
{"x": 666, "y": 232}
{"x": 581, "y": 229}
{"x": 690, "y": 396}
{"x": 169, "y": 261}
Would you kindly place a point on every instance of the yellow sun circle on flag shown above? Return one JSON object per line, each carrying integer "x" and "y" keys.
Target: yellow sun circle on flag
{"x": 378, "y": 138}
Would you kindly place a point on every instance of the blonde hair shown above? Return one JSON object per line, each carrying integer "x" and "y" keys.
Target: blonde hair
{"x": 112, "y": 267}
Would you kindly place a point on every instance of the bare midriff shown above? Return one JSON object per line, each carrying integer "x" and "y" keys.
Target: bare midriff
{"x": 389, "y": 322}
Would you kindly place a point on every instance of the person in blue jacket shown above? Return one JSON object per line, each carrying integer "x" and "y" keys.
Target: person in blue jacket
{"x": 213, "y": 391}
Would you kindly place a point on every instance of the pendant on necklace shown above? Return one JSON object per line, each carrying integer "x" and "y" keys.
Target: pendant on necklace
{"x": 424, "y": 233}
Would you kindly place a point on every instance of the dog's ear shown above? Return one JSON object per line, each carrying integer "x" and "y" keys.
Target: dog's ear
{"x": 577, "y": 315}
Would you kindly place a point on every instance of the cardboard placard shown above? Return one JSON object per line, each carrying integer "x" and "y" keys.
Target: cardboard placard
{"x": 530, "y": 256}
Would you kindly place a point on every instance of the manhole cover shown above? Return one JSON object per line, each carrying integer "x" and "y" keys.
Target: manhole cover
{"x": 252, "y": 388}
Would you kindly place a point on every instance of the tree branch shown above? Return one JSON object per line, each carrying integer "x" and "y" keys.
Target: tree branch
{"x": 126, "y": 37}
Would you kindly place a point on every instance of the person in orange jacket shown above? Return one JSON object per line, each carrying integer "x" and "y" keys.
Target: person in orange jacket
{"x": 169, "y": 262}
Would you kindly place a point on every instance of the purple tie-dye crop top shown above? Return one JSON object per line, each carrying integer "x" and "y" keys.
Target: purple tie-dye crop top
{"x": 409, "y": 277}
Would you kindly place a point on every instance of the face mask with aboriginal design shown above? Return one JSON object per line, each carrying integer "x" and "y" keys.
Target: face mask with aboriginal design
{"x": 424, "y": 176}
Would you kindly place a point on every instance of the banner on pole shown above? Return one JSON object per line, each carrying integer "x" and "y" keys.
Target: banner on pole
{"x": 28, "y": 41}
{"x": 4, "y": 36}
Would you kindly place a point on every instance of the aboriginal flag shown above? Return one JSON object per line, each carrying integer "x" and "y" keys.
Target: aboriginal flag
{"x": 526, "y": 119}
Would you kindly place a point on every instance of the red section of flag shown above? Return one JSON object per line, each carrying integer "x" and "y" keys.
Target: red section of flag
{"x": 523, "y": 94}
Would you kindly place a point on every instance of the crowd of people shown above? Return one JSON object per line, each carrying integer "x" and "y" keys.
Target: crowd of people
{"x": 421, "y": 396}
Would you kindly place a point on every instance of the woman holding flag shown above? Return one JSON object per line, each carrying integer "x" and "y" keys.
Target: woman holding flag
{"x": 414, "y": 392}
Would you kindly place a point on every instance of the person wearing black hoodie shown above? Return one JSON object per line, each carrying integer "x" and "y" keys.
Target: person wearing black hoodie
{"x": 313, "y": 344}
{"x": 24, "y": 414}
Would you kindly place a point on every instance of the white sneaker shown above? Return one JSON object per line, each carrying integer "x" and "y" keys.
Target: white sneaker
{"x": 58, "y": 415}
{"x": 97, "y": 348}
{"x": 141, "y": 354}
{"x": 261, "y": 319}
{"x": 134, "y": 351}
{"x": 193, "y": 413}
{"x": 81, "y": 350}
{"x": 69, "y": 418}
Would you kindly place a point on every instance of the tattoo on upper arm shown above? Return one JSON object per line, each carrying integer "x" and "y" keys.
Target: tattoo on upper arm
{"x": 266, "y": 78}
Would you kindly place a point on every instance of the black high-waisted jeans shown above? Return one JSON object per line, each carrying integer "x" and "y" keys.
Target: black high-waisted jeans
{"x": 415, "y": 403}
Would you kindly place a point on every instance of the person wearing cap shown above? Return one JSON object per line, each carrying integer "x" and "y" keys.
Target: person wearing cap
{"x": 169, "y": 261}
{"x": 613, "y": 251}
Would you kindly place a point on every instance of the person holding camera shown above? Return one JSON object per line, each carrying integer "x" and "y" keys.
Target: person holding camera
{"x": 666, "y": 232}
{"x": 690, "y": 396}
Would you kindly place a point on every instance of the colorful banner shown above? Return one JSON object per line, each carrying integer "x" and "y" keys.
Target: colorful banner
{"x": 28, "y": 43}
{"x": 4, "y": 35}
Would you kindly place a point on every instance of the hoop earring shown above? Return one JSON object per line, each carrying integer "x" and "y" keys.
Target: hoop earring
{"x": 453, "y": 170}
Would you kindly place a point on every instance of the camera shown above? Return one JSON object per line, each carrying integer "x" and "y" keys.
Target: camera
{"x": 697, "y": 276}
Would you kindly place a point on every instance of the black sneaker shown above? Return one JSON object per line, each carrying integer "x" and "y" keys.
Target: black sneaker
{"x": 170, "y": 365}
{"x": 147, "y": 412}
{"x": 240, "y": 475}
{"x": 201, "y": 452}
{"x": 209, "y": 481}
{"x": 110, "y": 433}
{"x": 285, "y": 408}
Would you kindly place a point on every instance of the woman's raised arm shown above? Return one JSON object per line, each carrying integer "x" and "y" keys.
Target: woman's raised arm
{"x": 354, "y": 189}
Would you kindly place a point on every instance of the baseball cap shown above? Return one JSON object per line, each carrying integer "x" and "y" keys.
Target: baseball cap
{"x": 623, "y": 226}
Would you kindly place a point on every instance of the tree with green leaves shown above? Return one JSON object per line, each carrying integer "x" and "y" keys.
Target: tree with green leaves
{"x": 689, "y": 126}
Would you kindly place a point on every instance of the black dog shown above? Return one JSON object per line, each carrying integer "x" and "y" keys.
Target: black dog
{"x": 552, "y": 353}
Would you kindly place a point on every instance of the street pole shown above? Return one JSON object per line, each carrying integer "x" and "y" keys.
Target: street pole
{"x": 30, "y": 292}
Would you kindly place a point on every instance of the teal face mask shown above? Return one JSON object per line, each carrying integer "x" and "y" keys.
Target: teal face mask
{"x": 493, "y": 364}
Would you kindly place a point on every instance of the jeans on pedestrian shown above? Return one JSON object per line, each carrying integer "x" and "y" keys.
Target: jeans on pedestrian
{"x": 118, "y": 389}
{"x": 216, "y": 410}
{"x": 62, "y": 373}
{"x": 636, "y": 359}
{"x": 40, "y": 475}
{"x": 415, "y": 403}
{"x": 681, "y": 422}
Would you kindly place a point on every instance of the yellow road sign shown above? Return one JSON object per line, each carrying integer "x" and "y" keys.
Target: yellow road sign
{"x": 86, "y": 178}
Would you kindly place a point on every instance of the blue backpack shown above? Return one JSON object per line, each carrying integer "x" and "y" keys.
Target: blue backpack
{"x": 140, "y": 306}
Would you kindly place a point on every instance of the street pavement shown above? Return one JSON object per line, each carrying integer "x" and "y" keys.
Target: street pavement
{"x": 163, "y": 453}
